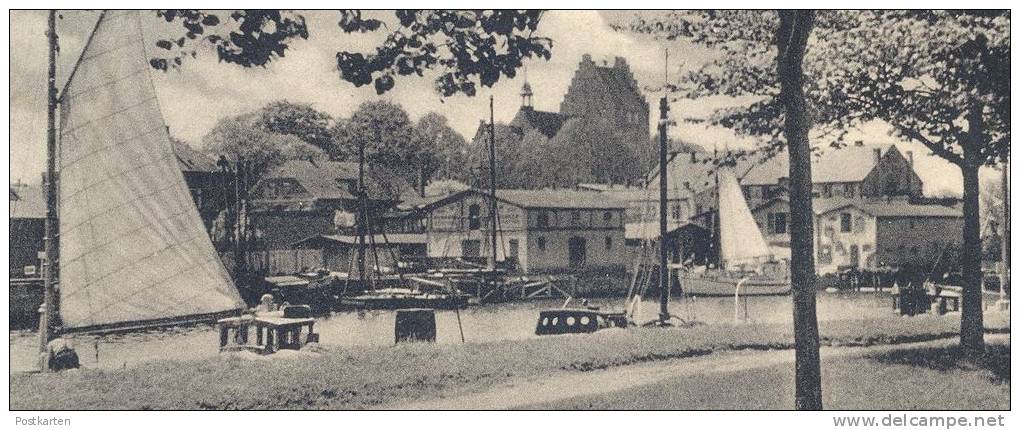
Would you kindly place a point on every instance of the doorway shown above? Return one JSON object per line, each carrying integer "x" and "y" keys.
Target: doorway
{"x": 471, "y": 248}
{"x": 577, "y": 250}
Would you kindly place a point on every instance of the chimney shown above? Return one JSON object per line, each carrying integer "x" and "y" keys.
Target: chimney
{"x": 858, "y": 143}
{"x": 878, "y": 154}
{"x": 910, "y": 158}
{"x": 586, "y": 59}
{"x": 620, "y": 63}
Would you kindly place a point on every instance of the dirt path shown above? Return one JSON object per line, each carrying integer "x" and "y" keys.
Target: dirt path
{"x": 566, "y": 385}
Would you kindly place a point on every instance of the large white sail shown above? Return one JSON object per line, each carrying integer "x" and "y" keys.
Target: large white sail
{"x": 740, "y": 240}
{"x": 132, "y": 246}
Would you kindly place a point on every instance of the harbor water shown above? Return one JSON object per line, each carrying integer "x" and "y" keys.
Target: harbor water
{"x": 489, "y": 323}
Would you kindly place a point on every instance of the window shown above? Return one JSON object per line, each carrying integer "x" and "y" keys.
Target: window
{"x": 845, "y": 222}
{"x": 677, "y": 211}
{"x": 609, "y": 243}
{"x": 543, "y": 219}
{"x": 541, "y": 244}
{"x": 825, "y": 254}
{"x": 607, "y": 217}
{"x": 514, "y": 247}
{"x": 575, "y": 218}
{"x": 778, "y": 223}
{"x": 474, "y": 217}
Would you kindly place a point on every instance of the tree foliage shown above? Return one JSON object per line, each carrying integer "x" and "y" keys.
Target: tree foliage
{"x": 240, "y": 137}
{"x": 509, "y": 153}
{"x": 934, "y": 76}
{"x": 298, "y": 119}
{"x": 584, "y": 150}
{"x": 467, "y": 48}
{"x": 443, "y": 152}
{"x": 388, "y": 135}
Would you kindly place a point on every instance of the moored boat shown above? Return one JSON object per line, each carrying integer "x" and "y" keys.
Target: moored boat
{"x": 747, "y": 265}
{"x": 404, "y": 298}
{"x": 573, "y": 320}
{"x": 722, "y": 283}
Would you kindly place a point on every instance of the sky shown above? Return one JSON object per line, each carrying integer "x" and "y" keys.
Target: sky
{"x": 203, "y": 90}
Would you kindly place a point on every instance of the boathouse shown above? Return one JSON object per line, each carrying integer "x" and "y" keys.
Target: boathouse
{"x": 538, "y": 231}
{"x": 303, "y": 199}
{"x": 337, "y": 252}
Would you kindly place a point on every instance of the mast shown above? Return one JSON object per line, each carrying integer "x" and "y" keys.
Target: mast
{"x": 49, "y": 231}
{"x": 716, "y": 219}
{"x": 492, "y": 180}
{"x": 663, "y": 270}
{"x": 1004, "y": 270}
{"x": 362, "y": 210}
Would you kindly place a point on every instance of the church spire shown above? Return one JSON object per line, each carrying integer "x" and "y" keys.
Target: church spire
{"x": 526, "y": 95}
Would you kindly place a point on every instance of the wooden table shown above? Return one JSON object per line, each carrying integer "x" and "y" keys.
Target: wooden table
{"x": 273, "y": 332}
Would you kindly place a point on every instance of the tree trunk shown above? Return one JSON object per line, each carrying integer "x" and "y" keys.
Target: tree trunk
{"x": 971, "y": 319}
{"x": 794, "y": 29}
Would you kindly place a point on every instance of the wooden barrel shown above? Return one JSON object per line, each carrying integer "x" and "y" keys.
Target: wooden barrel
{"x": 415, "y": 325}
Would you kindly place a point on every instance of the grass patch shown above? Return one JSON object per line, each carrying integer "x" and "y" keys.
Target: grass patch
{"x": 892, "y": 381}
{"x": 354, "y": 378}
{"x": 994, "y": 362}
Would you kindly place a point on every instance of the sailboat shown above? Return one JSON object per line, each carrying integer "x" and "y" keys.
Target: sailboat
{"x": 745, "y": 259}
{"x": 133, "y": 251}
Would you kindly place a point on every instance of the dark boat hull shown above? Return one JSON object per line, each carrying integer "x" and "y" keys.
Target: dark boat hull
{"x": 572, "y": 321}
{"x": 723, "y": 285}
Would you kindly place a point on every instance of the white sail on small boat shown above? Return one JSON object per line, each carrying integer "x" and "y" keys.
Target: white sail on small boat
{"x": 743, "y": 252}
{"x": 133, "y": 250}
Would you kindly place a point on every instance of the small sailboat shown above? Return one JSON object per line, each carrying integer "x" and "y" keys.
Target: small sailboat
{"x": 745, "y": 259}
{"x": 133, "y": 251}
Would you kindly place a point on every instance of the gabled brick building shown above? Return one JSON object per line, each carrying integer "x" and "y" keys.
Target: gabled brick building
{"x": 599, "y": 91}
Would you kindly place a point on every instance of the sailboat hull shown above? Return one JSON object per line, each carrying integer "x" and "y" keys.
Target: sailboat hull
{"x": 153, "y": 324}
{"x": 710, "y": 284}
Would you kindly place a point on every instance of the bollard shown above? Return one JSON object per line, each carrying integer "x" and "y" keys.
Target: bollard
{"x": 415, "y": 325}
{"x": 62, "y": 355}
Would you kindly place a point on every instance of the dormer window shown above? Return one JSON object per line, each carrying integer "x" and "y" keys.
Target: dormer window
{"x": 474, "y": 217}
{"x": 542, "y": 219}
